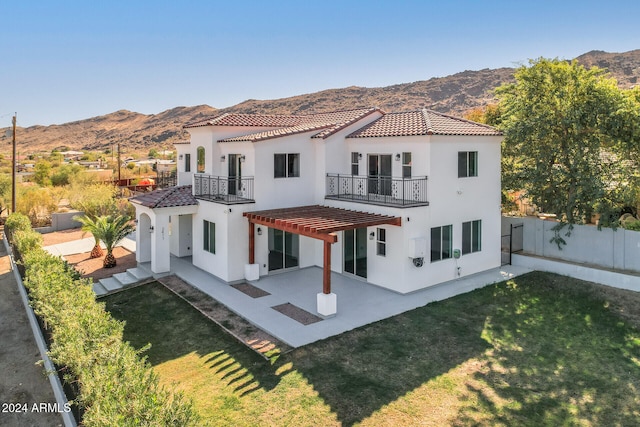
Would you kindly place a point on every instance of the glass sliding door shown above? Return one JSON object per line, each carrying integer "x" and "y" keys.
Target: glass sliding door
{"x": 380, "y": 174}
{"x": 284, "y": 250}
{"x": 355, "y": 252}
{"x": 235, "y": 174}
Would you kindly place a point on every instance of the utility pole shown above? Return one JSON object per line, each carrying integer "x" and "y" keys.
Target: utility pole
{"x": 119, "y": 163}
{"x": 13, "y": 171}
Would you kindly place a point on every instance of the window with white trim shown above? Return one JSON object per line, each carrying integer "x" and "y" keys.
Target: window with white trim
{"x": 471, "y": 237}
{"x": 355, "y": 165}
{"x": 467, "y": 164}
{"x": 406, "y": 165}
{"x": 441, "y": 242}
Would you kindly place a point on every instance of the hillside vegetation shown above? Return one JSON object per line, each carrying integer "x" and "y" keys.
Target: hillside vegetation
{"x": 453, "y": 94}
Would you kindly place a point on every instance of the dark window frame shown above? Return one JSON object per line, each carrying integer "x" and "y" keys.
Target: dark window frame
{"x": 286, "y": 165}
{"x": 381, "y": 242}
{"x": 439, "y": 236}
{"x": 471, "y": 236}
{"x": 209, "y": 236}
{"x": 187, "y": 162}
{"x": 467, "y": 164}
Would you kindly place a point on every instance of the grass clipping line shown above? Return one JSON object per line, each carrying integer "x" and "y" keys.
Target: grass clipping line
{"x": 115, "y": 385}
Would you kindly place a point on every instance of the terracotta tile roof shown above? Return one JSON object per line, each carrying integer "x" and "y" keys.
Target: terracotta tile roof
{"x": 167, "y": 198}
{"x": 252, "y": 120}
{"x": 327, "y": 123}
{"x": 276, "y": 133}
{"x": 422, "y": 122}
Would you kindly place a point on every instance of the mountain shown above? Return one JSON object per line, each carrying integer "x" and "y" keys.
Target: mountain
{"x": 453, "y": 94}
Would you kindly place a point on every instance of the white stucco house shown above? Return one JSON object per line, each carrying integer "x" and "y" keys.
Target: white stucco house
{"x": 402, "y": 201}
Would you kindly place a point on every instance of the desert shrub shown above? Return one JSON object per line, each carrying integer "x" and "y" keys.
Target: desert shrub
{"x": 115, "y": 386}
{"x": 36, "y": 203}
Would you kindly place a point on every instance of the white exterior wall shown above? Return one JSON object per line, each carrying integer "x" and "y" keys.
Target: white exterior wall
{"x": 452, "y": 200}
{"x": 456, "y": 200}
{"x": 270, "y": 192}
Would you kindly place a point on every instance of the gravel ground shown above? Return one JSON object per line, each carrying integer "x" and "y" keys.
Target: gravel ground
{"x": 23, "y": 384}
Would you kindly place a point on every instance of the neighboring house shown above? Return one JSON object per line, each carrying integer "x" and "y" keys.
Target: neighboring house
{"x": 399, "y": 200}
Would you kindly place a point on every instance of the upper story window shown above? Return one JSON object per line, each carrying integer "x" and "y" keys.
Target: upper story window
{"x": 441, "y": 242}
{"x": 467, "y": 164}
{"x": 286, "y": 165}
{"x": 200, "y": 159}
{"x": 187, "y": 162}
{"x": 471, "y": 236}
{"x": 355, "y": 166}
{"x": 406, "y": 165}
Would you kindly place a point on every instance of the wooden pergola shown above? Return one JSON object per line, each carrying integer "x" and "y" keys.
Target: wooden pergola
{"x": 317, "y": 222}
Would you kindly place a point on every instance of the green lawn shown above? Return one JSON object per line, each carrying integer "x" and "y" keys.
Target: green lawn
{"x": 537, "y": 350}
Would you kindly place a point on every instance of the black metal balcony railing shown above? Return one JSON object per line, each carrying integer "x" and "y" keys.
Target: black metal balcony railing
{"x": 166, "y": 179}
{"x": 223, "y": 189}
{"x": 378, "y": 190}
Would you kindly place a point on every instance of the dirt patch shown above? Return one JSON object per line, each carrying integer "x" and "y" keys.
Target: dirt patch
{"x": 22, "y": 381}
{"x": 92, "y": 267}
{"x": 253, "y": 337}
{"x": 249, "y": 289}
{"x": 297, "y": 314}
{"x": 64, "y": 236}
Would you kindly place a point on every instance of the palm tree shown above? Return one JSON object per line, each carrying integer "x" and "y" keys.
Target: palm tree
{"x": 111, "y": 230}
{"x": 89, "y": 226}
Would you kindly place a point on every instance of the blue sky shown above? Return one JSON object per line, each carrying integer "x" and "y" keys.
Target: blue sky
{"x": 68, "y": 60}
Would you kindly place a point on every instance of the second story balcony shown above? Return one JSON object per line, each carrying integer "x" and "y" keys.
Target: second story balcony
{"x": 227, "y": 190}
{"x": 378, "y": 190}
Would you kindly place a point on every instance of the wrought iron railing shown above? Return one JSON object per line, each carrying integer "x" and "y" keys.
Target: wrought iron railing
{"x": 167, "y": 179}
{"x": 223, "y": 189}
{"x": 378, "y": 190}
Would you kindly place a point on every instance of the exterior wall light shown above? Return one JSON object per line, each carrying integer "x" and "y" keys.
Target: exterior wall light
{"x": 259, "y": 231}
{"x": 397, "y": 157}
{"x": 222, "y": 158}
{"x": 151, "y": 229}
{"x": 242, "y": 158}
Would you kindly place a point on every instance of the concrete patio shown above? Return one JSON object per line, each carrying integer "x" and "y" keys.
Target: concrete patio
{"x": 359, "y": 303}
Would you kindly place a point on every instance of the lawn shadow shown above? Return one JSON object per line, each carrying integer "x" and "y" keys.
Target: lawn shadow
{"x": 175, "y": 329}
{"x": 361, "y": 371}
{"x": 561, "y": 356}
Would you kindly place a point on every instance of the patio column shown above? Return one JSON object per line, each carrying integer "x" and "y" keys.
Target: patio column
{"x": 327, "y": 302}
{"x": 252, "y": 243}
{"x": 252, "y": 270}
{"x": 326, "y": 269}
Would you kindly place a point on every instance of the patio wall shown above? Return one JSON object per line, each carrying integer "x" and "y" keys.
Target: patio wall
{"x": 61, "y": 221}
{"x": 619, "y": 249}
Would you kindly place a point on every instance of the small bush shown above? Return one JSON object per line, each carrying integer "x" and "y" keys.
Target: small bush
{"x": 17, "y": 221}
{"x": 26, "y": 240}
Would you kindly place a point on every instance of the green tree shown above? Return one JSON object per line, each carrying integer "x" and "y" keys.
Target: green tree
{"x": 111, "y": 230}
{"x": 90, "y": 225}
{"x": 560, "y": 121}
{"x": 42, "y": 173}
{"x": 5, "y": 192}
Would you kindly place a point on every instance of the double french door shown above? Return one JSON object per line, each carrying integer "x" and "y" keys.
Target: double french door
{"x": 379, "y": 174}
{"x": 284, "y": 250}
{"x": 355, "y": 252}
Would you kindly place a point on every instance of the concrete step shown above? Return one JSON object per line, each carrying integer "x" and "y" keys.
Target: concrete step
{"x": 125, "y": 278}
{"x": 140, "y": 273}
{"x": 111, "y": 284}
{"x": 98, "y": 289}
